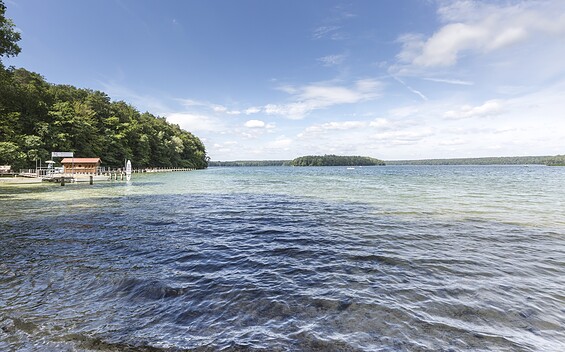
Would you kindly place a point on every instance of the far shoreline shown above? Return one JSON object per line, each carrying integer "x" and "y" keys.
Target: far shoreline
{"x": 547, "y": 160}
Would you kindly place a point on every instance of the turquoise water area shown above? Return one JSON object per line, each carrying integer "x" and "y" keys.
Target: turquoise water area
{"x": 394, "y": 258}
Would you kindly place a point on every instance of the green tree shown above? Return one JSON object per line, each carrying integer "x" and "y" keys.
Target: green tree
{"x": 9, "y": 37}
{"x": 11, "y": 154}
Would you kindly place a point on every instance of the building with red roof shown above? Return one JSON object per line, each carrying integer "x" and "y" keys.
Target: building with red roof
{"x": 81, "y": 165}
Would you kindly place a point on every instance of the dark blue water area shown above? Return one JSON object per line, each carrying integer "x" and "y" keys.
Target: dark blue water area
{"x": 248, "y": 272}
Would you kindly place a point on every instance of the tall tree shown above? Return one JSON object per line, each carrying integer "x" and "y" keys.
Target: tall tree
{"x": 8, "y": 47}
{"x": 9, "y": 36}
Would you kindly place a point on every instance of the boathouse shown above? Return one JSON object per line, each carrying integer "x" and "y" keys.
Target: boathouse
{"x": 80, "y": 165}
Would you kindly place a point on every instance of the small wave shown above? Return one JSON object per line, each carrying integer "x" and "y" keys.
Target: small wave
{"x": 144, "y": 289}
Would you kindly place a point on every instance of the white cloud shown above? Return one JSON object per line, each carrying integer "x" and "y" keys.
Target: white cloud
{"x": 220, "y": 109}
{"x": 443, "y": 48}
{"x": 489, "y": 108}
{"x": 482, "y": 27}
{"x": 321, "y": 96}
{"x": 255, "y": 124}
{"x": 293, "y": 111}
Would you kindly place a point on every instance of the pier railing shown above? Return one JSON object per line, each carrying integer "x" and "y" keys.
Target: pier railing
{"x": 114, "y": 173}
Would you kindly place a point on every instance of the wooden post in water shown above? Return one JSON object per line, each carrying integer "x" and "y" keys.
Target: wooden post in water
{"x": 91, "y": 179}
{"x": 62, "y": 180}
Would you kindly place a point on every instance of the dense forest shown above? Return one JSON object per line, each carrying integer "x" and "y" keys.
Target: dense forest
{"x": 37, "y": 118}
{"x": 335, "y": 160}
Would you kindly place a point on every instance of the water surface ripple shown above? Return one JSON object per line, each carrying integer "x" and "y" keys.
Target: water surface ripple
{"x": 266, "y": 271}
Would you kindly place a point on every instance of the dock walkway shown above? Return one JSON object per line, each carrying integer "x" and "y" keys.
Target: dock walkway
{"x": 103, "y": 174}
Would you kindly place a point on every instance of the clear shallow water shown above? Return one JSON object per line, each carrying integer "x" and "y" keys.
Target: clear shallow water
{"x": 291, "y": 259}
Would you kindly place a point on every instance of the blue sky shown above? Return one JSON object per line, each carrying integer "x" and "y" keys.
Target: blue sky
{"x": 259, "y": 79}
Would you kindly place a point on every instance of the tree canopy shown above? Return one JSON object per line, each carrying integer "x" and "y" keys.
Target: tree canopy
{"x": 9, "y": 37}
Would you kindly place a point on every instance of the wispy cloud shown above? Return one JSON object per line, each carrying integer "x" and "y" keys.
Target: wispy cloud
{"x": 417, "y": 92}
{"x": 216, "y": 108}
{"x": 333, "y": 27}
{"x": 332, "y": 60}
{"x": 321, "y": 96}
{"x": 336, "y": 125}
{"x": 331, "y": 32}
{"x": 450, "y": 81}
{"x": 489, "y": 108}
{"x": 252, "y": 110}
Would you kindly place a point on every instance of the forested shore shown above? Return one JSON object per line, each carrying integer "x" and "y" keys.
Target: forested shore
{"x": 37, "y": 118}
{"x": 308, "y": 160}
{"x": 555, "y": 160}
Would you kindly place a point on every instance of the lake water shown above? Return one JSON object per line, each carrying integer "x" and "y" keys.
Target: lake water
{"x": 394, "y": 258}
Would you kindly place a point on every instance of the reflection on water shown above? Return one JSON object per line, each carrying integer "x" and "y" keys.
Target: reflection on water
{"x": 392, "y": 259}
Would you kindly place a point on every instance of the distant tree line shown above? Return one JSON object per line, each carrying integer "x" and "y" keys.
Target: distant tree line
{"x": 512, "y": 160}
{"x": 557, "y": 160}
{"x": 249, "y": 163}
{"x": 37, "y": 118}
{"x": 335, "y": 160}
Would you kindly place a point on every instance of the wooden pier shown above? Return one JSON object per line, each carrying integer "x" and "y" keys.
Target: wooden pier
{"x": 103, "y": 174}
{"x": 120, "y": 175}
